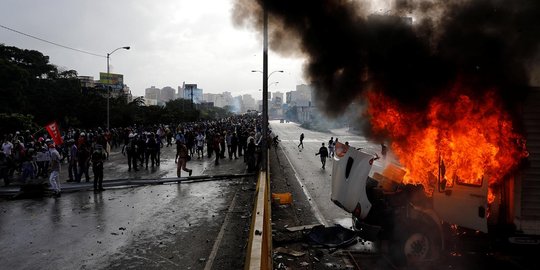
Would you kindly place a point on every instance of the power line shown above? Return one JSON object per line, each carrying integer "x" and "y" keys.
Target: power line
{"x": 50, "y": 42}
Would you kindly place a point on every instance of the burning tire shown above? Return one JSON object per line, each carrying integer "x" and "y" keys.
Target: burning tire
{"x": 416, "y": 243}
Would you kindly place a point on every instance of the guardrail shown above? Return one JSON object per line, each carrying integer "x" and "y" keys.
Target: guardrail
{"x": 259, "y": 253}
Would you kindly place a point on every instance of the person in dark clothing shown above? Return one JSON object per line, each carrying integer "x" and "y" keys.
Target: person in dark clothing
{"x": 234, "y": 145}
{"x": 323, "y": 152}
{"x": 222, "y": 145}
{"x": 98, "y": 157}
{"x": 250, "y": 155}
{"x": 83, "y": 159}
{"x": 210, "y": 144}
{"x": 72, "y": 159}
{"x": 242, "y": 141}
{"x": 301, "y": 141}
{"x": 216, "y": 146}
{"x": 130, "y": 149}
{"x": 151, "y": 150}
{"x": 141, "y": 149}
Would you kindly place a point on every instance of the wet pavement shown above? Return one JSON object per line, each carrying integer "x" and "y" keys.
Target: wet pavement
{"x": 169, "y": 226}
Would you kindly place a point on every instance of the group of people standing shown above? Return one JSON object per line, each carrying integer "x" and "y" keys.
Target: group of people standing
{"x": 35, "y": 157}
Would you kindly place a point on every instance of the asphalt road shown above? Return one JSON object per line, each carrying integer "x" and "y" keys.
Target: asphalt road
{"x": 170, "y": 226}
{"x": 307, "y": 166}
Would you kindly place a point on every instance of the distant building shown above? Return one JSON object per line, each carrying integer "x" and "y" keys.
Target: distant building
{"x": 152, "y": 93}
{"x": 249, "y": 103}
{"x": 180, "y": 93}
{"x": 192, "y": 92}
{"x": 277, "y": 98}
{"x": 167, "y": 94}
{"x": 87, "y": 81}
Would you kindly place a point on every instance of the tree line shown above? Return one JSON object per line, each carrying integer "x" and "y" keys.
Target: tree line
{"x": 35, "y": 92}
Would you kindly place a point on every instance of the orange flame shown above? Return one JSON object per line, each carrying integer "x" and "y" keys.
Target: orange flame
{"x": 472, "y": 137}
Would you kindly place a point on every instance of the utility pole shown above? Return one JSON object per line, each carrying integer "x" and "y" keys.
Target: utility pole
{"x": 265, "y": 89}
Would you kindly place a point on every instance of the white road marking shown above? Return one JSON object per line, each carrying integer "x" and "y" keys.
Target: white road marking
{"x": 314, "y": 207}
{"x": 217, "y": 243}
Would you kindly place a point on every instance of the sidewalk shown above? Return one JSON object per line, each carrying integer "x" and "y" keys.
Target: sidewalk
{"x": 288, "y": 220}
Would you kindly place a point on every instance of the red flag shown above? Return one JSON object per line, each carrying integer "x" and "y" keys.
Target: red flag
{"x": 54, "y": 131}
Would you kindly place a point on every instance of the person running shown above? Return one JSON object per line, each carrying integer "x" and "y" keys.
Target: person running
{"x": 276, "y": 141}
{"x": 323, "y": 152}
{"x": 301, "y": 141}
{"x": 181, "y": 158}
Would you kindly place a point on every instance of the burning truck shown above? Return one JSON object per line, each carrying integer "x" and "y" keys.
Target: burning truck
{"x": 461, "y": 169}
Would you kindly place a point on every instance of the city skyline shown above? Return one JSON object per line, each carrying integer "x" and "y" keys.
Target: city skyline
{"x": 166, "y": 47}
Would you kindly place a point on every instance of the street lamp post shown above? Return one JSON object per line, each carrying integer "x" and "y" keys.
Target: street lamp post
{"x": 108, "y": 80}
{"x": 265, "y": 100}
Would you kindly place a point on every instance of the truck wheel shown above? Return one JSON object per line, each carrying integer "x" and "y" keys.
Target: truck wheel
{"x": 416, "y": 243}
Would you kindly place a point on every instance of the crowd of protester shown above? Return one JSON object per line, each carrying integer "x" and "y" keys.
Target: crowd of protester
{"x": 26, "y": 156}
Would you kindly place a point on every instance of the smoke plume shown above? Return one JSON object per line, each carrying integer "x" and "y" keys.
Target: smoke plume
{"x": 411, "y": 53}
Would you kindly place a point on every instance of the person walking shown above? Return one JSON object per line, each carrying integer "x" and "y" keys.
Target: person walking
{"x": 72, "y": 159}
{"x": 301, "y": 141}
{"x": 181, "y": 158}
{"x": 130, "y": 149}
{"x": 200, "y": 145}
{"x": 152, "y": 147}
{"x": 323, "y": 152}
{"x": 55, "y": 170}
{"x": 331, "y": 147}
{"x": 97, "y": 158}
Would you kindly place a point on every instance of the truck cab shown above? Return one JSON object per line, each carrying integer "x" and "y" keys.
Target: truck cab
{"x": 383, "y": 208}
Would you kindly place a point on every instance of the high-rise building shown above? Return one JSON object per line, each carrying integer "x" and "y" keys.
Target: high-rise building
{"x": 277, "y": 98}
{"x": 249, "y": 103}
{"x": 167, "y": 93}
{"x": 180, "y": 93}
{"x": 192, "y": 92}
{"x": 152, "y": 93}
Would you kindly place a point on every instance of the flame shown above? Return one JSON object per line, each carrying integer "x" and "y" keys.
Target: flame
{"x": 462, "y": 137}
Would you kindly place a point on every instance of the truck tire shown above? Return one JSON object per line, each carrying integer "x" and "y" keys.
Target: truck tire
{"x": 416, "y": 242}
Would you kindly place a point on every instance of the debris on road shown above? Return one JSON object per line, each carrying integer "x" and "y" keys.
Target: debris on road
{"x": 288, "y": 251}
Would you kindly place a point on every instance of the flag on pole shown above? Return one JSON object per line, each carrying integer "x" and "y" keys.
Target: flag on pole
{"x": 54, "y": 131}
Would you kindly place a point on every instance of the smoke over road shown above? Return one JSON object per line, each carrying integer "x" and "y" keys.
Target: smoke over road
{"x": 412, "y": 53}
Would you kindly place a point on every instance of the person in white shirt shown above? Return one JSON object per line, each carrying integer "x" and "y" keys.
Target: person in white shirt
{"x": 7, "y": 148}
{"x": 55, "y": 170}
{"x": 200, "y": 145}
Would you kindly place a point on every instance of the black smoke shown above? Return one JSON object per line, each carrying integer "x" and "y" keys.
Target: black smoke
{"x": 486, "y": 44}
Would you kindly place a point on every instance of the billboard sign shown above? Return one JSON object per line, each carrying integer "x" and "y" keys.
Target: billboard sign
{"x": 116, "y": 81}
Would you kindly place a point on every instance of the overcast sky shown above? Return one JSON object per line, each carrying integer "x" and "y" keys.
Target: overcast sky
{"x": 171, "y": 41}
